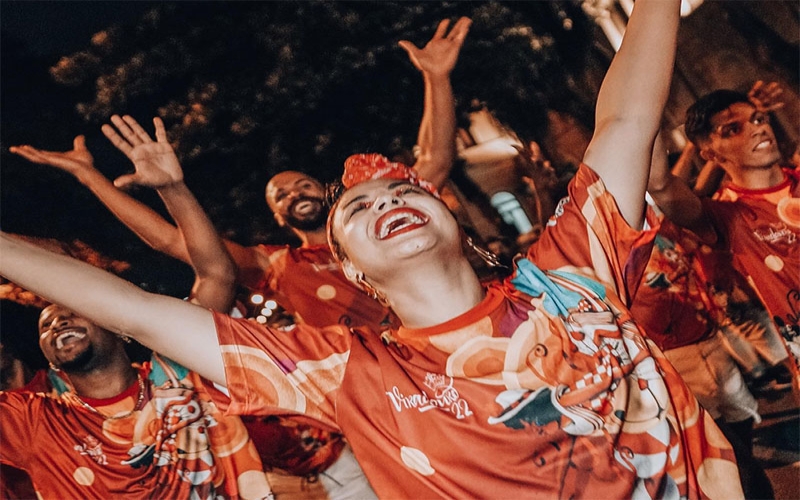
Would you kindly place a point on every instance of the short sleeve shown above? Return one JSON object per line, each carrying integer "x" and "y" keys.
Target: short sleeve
{"x": 588, "y": 235}
{"x": 18, "y": 426}
{"x": 271, "y": 371}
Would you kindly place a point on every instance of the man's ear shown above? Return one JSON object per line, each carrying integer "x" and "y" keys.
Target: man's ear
{"x": 708, "y": 154}
{"x": 279, "y": 219}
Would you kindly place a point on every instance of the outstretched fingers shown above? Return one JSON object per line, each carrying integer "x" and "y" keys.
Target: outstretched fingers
{"x": 766, "y": 97}
{"x": 125, "y": 130}
{"x": 117, "y": 140}
{"x": 31, "y": 154}
{"x": 161, "y": 131}
{"x": 139, "y": 133}
{"x": 460, "y": 30}
{"x": 441, "y": 29}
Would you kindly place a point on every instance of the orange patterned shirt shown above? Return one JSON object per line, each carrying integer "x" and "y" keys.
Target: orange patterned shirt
{"x": 177, "y": 446}
{"x": 546, "y": 388}
{"x": 309, "y": 284}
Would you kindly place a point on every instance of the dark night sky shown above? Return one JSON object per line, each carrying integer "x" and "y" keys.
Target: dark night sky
{"x": 61, "y": 27}
{"x": 48, "y": 30}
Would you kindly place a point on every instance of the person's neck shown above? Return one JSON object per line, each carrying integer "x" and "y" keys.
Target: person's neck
{"x": 312, "y": 238}
{"x": 105, "y": 381}
{"x": 762, "y": 178}
{"x": 434, "y": 292}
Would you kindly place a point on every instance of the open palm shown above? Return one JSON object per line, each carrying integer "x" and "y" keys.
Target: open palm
{"x": 155, "y": 161}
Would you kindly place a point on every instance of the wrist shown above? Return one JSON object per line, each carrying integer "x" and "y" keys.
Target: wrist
{"x": 176, "y": 186}
{"x": 88, "y": 175}
{"x": 436, "y": 77}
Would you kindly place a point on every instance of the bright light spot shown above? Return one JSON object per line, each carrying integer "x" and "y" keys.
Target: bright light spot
{"x": 261, "y": 319}
{"x": 266, "y": 312}
{"x": 271, "y": 304}
{"x": 256, "y": 298}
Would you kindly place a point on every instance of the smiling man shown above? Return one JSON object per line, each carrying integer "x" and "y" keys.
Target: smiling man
{"x": 756, "y": 217}
{"x": 116, "y": 430}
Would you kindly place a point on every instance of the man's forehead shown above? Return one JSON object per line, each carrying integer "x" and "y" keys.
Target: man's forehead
{"x": 734, "y": 112}
{"x": 288, "y": 179}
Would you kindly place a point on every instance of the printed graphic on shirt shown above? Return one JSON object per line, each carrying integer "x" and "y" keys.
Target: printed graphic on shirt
{"x": 444, "y": 397}
{"x": 93, "y": 448}
{"x": 614, "y": 385}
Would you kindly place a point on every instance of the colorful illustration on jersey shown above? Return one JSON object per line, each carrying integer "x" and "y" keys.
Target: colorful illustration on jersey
{"x": 577, "y": 365}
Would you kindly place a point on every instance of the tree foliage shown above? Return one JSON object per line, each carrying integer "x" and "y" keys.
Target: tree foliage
{"x": 252, "y": 88}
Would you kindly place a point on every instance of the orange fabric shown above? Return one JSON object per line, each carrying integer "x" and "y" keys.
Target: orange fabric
{"x": 546, "y": 388}
{"x": 673, "y": 304}
{"x": 761, "y": 228}
{"x": 177, "y": 446}
{"x": 309, "y": 284}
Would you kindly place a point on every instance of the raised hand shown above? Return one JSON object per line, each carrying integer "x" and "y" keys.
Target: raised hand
{"x": 766, "y": 97}
{"x": 155, "y": 161}
{"x": 440, "y": 54}
{"x": 76, "y": 161}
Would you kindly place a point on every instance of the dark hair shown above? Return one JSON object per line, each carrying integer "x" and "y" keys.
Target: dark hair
{"x": 698, "y": 117}
{"x": 333, "y": 192}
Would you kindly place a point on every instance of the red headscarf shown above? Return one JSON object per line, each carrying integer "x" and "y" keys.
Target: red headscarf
{"x": 366, "y": 167}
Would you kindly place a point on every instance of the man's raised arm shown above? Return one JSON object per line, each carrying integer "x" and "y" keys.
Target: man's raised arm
{"x": 436, "y": 138}
{"x": 138, "y": 217}
{"x": 158, "y": 167}
{"x": 630, "y": 104}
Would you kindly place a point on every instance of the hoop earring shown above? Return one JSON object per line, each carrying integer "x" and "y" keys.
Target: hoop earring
{"x": 369, "y": 289}
{"x": 487, "y": 256}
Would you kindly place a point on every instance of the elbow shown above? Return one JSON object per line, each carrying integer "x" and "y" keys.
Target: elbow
{"x": 223, "y": 273}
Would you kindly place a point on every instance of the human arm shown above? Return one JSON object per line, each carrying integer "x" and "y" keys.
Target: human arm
{"x": 436, "y": 138}
{"x": 709, "y": 179}
{"x": 180, "y": 330}
{"x": 539, "y": 177}
{"x": 141, "y": 219}
{"x": 674, "y": 197}
{"x": 157, "y": 166}
{"x": 630, "y": 104}
{"x": 684, "y": 166}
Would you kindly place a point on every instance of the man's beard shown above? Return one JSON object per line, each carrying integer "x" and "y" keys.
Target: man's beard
{"x": 311, "y": 223}
{"x": 81, "y": 363}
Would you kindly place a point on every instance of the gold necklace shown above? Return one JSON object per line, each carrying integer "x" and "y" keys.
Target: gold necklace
{"x": 137, "y": 406}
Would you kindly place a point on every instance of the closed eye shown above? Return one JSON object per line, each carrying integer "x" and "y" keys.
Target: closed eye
{"x": 357, "y": 207}
{"x": 407, "y": 189}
